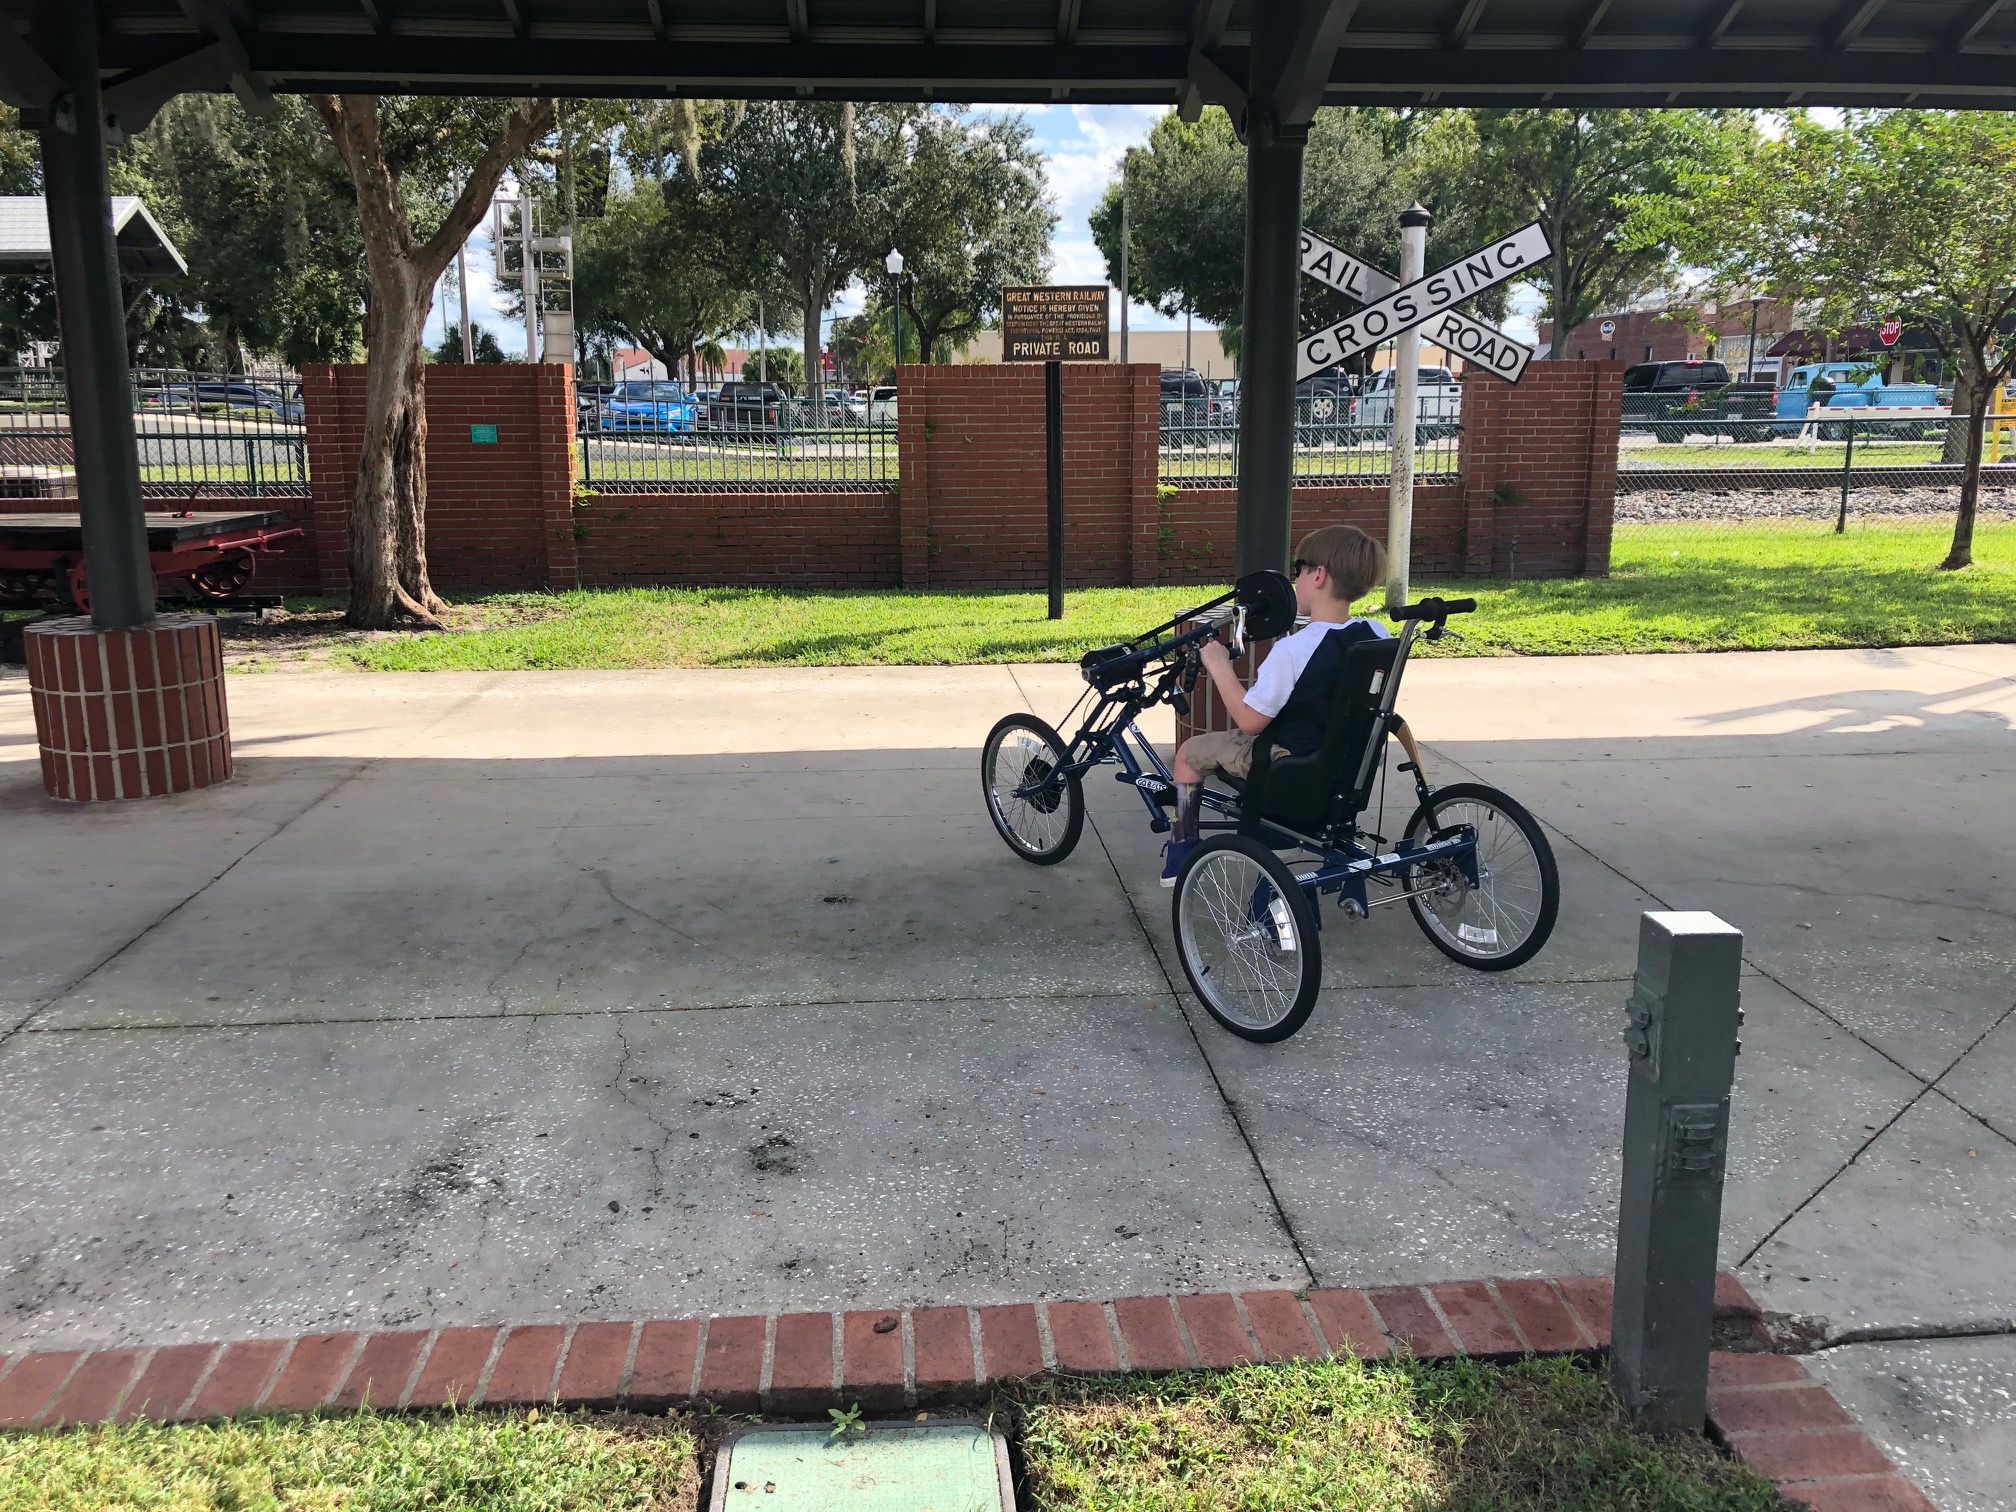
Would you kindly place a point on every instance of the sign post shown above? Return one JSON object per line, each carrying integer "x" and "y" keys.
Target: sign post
{"x": 1052, "y": 324}
{"x": 1406, "y": 419}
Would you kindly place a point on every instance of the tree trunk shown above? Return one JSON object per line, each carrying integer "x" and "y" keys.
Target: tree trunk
{"x": 1963, "y": 404}
{"x": 388, "y": 513}
{"x": 815, "y": 306}
{"x": 1961, "y": 552}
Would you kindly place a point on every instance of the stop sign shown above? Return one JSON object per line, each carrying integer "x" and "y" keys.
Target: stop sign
{"x": 1890, "y": 330}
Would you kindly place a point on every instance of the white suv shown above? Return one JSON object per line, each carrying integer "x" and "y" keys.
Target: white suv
{"x": 1438, "y": 399}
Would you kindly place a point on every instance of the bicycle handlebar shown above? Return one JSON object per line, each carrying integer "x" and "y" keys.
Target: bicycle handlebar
{"x": 1434, "y": 609}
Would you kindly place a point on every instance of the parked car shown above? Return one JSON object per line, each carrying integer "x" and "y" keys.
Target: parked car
{"x": 589, "y": 398}
{"x": 745, "y": 408}
{"x": 1224, "y": 399}
{"x": 1186, "y": 398}
{"x": 1325, "y": 398}
{"x": 1669, "y": 395}
{"x": 198, "y": 398}
{"x": 647, "y": 405}
{"x": 1438, "y": 401}
{"x": 873, "y": 406}
{"x": 1857, "y": 386}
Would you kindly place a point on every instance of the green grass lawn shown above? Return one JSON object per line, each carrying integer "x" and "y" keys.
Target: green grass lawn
{"x": 1683, "y": 587}
{"x": 362, "y": 1462}
{"x": 1395, "y": 1436}
{"x": 1543, "y": 1436}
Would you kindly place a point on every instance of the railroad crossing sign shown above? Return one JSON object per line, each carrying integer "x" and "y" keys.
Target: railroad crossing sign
{"x": 1453, "y": 330}
{"x": 1428, "y": 304}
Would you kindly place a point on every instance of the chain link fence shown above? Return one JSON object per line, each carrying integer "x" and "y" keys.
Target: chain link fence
{"x": 1838, "y": 473}
{"x": 689, "y": 446}
{"x": 1200, "y": 444}
{"x": 201, "y": 435}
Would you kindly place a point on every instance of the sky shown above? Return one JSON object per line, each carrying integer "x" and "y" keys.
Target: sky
{"x": 1082, "y": 146}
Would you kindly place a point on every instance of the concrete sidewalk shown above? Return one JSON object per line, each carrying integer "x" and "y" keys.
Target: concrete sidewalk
{"x": 499, "y": 998}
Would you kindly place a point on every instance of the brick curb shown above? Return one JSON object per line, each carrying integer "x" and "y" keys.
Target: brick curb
{"x": 1764, "y": 1407}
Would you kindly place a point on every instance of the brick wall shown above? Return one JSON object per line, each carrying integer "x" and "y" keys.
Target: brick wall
{"x": 1540, "y": 469}
{"x": 973, "y": 495}
{"x": 498, "y": 515}
{"x": 1195, "y": 526}
{"x": 800, "y": 540}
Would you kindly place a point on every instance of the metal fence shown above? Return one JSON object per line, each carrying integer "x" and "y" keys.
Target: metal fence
{"x": 688, "y": 448}
{"x": 218, "y": 435}
{"x": 1200, "y": 447}
{"x": 1838, "y": 473}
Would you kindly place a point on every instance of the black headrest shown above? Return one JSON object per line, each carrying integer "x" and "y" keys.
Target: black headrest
{"x": 1269, "y": 601}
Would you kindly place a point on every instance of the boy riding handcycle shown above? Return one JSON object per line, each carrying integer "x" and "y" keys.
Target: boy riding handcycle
{"x": 1295, "y": 776}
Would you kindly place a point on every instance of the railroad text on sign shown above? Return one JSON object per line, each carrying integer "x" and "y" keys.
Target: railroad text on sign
{"x": 1053, "y": 323}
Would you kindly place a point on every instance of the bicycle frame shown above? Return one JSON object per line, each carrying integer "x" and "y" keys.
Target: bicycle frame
{"x": 1111, "y": 735}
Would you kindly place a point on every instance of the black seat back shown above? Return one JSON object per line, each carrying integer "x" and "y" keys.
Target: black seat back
{"x": 1330, "y": 787}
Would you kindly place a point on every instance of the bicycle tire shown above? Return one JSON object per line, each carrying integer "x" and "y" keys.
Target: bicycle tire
{"x": 1029, "y": 824}
{"x": 1498, "y": 909}
{"x": 1246, "y": 934}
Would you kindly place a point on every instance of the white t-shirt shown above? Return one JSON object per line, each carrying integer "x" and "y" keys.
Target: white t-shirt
{"x": 1284, "y": 664}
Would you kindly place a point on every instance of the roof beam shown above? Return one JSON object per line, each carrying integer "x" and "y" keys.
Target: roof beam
{"x": 930, "y": 20}
{"x": 373, "y": 13}
{"x": 514, "y": 16}
{"x": 1591, "y": 19}
{"x": 27, "y": 82}
{"x": 1724, "y": 19}
{"x": 797, "y": 15}
{"x": 1466, "y": 23}
{"x": 1970, "y": 25}
{"x": 1310, "y": 56}
{"x": 1067, "y": 19}
{"x": 210, "y": 16}
{"x": 1854, "y": 16}
{"x": 656, "y": 12}
{"x": 134, "y": 101}
{"x": 1207, "y": 82}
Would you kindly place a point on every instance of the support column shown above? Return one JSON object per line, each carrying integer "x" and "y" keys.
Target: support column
{"x": 92, "y": 312}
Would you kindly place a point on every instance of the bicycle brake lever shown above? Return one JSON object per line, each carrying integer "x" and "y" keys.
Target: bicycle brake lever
{"x": 1239, "y": 633}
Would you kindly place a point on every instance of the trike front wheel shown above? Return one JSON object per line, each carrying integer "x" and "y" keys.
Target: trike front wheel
{"x": 1038, "y": 808}
{"x": 1246, "y": 934}
{"x": 1504, "y": 917}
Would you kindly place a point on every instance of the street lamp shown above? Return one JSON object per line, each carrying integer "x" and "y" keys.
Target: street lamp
{"x": 894, "y": 263}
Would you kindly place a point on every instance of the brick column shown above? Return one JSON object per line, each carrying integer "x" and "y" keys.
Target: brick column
{"x": 1144, "y": 479}
{"x": 553, "y": 431}
{"x": 332, "y": 402}
{"x": 131, "y": 713}
{"x": 1482, "y": 409}
{"x": 1606, "y": 416}
{"x": 913, "y": 473}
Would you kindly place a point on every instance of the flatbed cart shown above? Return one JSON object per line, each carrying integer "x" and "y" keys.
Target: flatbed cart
{"x": 212, "y": 553}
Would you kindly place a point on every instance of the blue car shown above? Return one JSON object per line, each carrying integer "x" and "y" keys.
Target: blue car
{"x": 646, "y": 406}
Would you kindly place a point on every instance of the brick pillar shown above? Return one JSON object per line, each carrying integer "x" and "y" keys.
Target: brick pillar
{"x": 1144, "y": 477}
{"x": 131, "y": 713}
{"x": 553, "y": 432}
{"x": 1606, "y": 416}
{"x": 913, "y": 473}
{"x": 1483, "y": 410}
{"x": 332, "y": 403}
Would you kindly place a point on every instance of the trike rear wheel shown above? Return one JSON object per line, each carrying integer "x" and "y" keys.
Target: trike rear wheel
{"x": 1504, "y": 919}
{"x": 1246, "y": 934}
{"x": 1039, "y": 812}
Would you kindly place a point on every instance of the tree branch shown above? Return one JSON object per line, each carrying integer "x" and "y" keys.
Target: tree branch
{"x": 527, "y": 123}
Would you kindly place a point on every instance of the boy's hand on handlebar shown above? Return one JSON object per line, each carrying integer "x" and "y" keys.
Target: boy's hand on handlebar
{"x": 1213, "y": 654}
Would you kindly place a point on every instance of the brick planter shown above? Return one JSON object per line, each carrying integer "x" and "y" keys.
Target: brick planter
{"x": 128, "y": 713}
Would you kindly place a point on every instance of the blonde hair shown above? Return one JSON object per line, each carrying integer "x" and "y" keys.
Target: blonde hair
{"x": 1356, "y": 563}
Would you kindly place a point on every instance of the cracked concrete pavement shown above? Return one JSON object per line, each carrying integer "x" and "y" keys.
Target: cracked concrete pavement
{"x": 503, "y": 997}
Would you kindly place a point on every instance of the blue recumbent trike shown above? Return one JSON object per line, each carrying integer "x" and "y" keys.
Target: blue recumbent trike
{"x": 1471, "y": 864}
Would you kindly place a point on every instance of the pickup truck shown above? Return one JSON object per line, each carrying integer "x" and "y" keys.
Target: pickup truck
{"x": 1663, "y": 398}
{"x": 744, "y": 409}
{"x": 1438, "y": 402}
{"x": 1860, "y": 388}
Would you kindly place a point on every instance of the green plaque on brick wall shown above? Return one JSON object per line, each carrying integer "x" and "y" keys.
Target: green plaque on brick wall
{"x": 482, "y": 435}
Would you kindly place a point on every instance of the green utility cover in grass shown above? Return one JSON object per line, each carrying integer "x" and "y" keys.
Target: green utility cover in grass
{"x": 883, "y": 1467}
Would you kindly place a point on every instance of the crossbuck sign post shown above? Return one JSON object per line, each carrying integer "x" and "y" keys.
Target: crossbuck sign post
{"x": 1400, "y": 310}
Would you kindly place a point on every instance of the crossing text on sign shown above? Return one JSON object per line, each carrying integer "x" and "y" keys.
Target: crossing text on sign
{"x": 1420, "y": 302}
{"x": 1454, "y": 331}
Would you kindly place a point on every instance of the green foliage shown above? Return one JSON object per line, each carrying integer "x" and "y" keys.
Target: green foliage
{"x": 482, "y": 341}
{"x": 971, "y": 214}
{"x": 784, "y": 365}
{"x": 1579, "y": 173}
{"x": 846, "y": 1420}
{"x": 1362, "y": 167}
{"x": 362, "y": 1462}
{"x": 656, "y": 272}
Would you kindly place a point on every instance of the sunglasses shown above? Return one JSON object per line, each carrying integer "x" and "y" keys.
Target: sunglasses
{"x": 1297, "y": 567}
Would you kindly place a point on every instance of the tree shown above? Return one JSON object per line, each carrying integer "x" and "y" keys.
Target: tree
{"x": 1579, "y": 172}
{"x": 655, "y": 272}
{"x": 485, "y": 346}
{"x": 402, "y": 156}
{"x": 1362, "y": 167}
{"x": 785, "y": 366}
{"x": 972, "y": 213}
{"x": 806, "y": 190}
{"x": 1904, "y": 213}
{"x": 268, "y": 225}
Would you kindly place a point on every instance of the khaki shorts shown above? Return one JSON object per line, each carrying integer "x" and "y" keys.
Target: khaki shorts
{"x": 1229, "y": 751}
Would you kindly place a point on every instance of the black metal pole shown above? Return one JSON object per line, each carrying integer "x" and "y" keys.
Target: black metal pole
{"x": 1053, "y": 460}
{"x": 1847, "y": 470}
{"x": 1273, "y": 275}
{"x": 92, "y": 315}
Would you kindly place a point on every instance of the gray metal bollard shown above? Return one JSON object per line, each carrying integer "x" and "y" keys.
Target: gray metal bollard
{"x": 1683, "y": 1017}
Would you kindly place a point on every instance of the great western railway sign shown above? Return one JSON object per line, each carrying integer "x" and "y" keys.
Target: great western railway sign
{"x": 1452, "y": 330}
{"x": 1053, "y": 323}
{"x": 1428, "y": 304}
